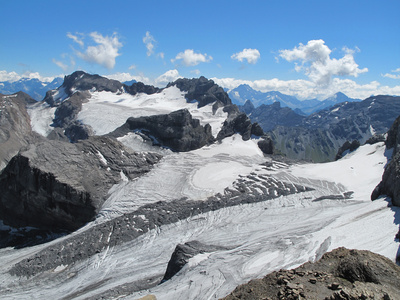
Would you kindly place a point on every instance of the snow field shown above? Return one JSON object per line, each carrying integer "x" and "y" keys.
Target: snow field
{"x": 116, "y": 109}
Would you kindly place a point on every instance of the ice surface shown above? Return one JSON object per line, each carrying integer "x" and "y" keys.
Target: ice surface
{"x": 42, "y": 116}
{"x": 257, "y": 238}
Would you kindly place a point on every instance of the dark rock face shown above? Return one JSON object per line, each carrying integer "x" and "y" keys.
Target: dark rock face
{"x": 203, "y": 91}
{"x": 390, "y": 184}
{"x": 177, "y": 130}
{"x": 339, "y": 274}
{"x": 266, "y": 145}
{"x": 62, "y": 186}
{"x": 139, "y": 87}
{"x": 15, "y": 127}
{"x": 182, "y": 253}
{"x": 347, "y": 146}
{"x": 241, "y": 124}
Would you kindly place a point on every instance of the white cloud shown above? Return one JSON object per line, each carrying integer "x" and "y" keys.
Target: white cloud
{"x": 393, "y": 76}
{"x": 149, "y": 41}
{"x": 251, "y": 55}
{"x": 9, "y": 76}
{"x": 306, "y": 89}
{"x": 197, "y": 72}
{"x": 76, "y": 39}
{"x": 14, "y": 76}
{"x": 317, "y": 64}
{"x": 190, "y": 58}
{"x": 167, "y": 77}
{"x": 122, "y": 77}
{"x": 104, "y": 53}
{"x": 60, "y": 64}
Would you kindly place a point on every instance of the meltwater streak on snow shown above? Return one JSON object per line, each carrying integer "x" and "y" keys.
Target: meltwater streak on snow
{"x": 42, "y": 116}
{"x": 116, "y": 109}
{"x": 196, "y": 175}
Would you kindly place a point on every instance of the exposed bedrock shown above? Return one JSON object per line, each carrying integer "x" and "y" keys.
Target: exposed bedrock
{"x": 59, "y": 185}
{"x": 339, "y": 274}
{"x": 15, "y": 127}
{"x": 390, "y": 184}
{"x": 177, "y": 130}
{"x": 183, "y": 253}
{"x": 204, "y": 91}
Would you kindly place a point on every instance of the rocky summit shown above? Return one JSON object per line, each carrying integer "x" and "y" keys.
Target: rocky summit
{"x": 339, "y": 274}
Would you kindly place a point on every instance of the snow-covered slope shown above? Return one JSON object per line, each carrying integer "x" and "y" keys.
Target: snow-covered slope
{"x": 256, "y": 238}
{"x": 106, "y": 111}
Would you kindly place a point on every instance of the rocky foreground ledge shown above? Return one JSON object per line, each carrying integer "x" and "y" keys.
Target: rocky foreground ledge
{"x": 340, "y": 274}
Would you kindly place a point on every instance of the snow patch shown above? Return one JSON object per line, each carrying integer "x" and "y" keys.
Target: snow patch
{"x": 41, "y": 115}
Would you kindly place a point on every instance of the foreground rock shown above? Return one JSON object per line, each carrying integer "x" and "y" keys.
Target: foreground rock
{"x": 58, "y": 185}
{"x": 340, "y": 274}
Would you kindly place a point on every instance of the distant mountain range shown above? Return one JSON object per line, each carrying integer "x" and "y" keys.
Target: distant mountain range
{"x": 244, "y": 92}
{"x": 318, "y": 137}
{"x": 34, "y": 87}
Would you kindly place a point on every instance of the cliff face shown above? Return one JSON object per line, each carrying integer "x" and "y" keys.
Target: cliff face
{"x": 15, "y": 127}
{"x": 390, "y": 184}
{"x": 58, "y": 185}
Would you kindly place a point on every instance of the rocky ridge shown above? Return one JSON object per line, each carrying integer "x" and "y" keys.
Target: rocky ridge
{"x": 390, "y": 184}
{"x": 15, "y": 127}
{"x": 339, "y": 274}
{"x": 59, "y": 185}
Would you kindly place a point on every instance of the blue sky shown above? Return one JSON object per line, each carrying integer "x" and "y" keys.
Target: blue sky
{"x": 304, "y": 48}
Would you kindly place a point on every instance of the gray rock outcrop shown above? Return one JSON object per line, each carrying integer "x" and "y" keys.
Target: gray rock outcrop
{"x": 390, "y": 184}
{"x": 177, "y": 130}
{"x": 203, "y": 91}
{"x": 339, "y": 274}
{"x": 347, "y": 147}
{"x": 182, "y": 253}
{"x": 59, "y": 185}
{"x": 15, "y": 126}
